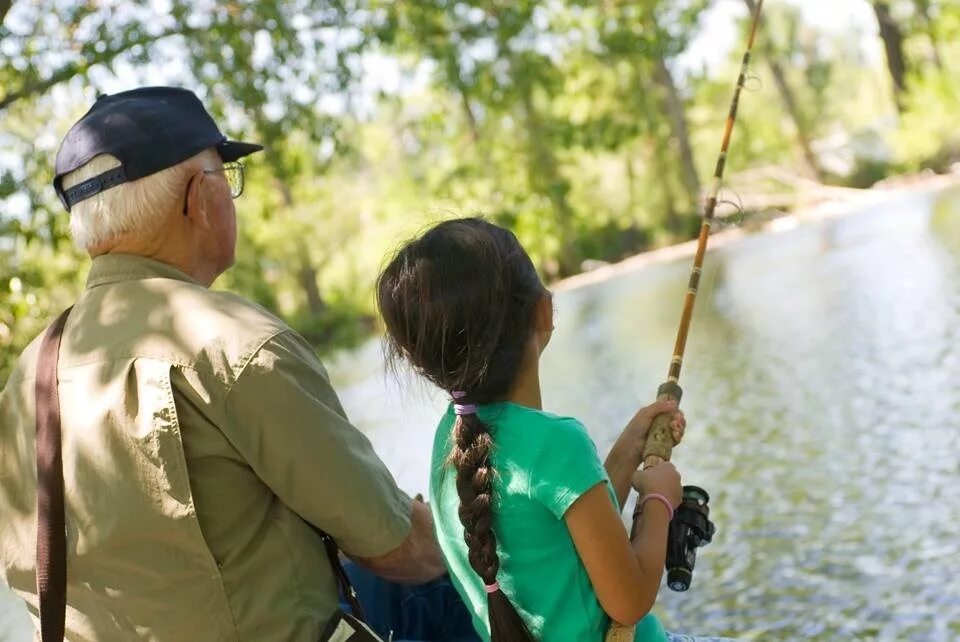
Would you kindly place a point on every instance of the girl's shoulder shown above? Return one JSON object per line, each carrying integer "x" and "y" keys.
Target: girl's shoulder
{"x": 536, "y": 431}
{"x": 520, "y": 433}
{"x": 508, "y": 413}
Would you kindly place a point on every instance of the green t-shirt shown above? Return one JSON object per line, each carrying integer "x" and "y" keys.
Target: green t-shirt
{"x": 543, "y": 463}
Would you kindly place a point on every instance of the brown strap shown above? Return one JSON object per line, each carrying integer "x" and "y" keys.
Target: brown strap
{"x": 51, "y": 522}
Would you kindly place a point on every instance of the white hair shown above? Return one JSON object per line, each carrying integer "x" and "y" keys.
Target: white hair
{"x": 139, "y": 206}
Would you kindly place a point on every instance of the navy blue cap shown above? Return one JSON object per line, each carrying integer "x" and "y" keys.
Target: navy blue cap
{"x": 147, "y": 129}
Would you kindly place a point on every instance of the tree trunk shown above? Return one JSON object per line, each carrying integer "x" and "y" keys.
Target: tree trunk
{"x": 307, "y": 274}
{"x": 892, "y": 37}
{"x": 546, "y": 179}
{"x": 633, "y": 193}
{"x": 923, "y": 10}
{"x": 468, "y": 112}
{"x": 673, "y": 105}
{"x": 543, "y": 171}
{"x": 672, "y": 220}
{"x": 306, "y": 270}
{"x": 790, "y": 103}
{"x": 456, "y": 77}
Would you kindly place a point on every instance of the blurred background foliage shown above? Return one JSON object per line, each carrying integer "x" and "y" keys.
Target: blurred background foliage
{"x": 589, "y": 128}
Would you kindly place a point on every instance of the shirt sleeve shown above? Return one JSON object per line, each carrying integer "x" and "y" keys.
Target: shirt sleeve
{"x": 567, "y": 465}
{"x": 283, "y": 416}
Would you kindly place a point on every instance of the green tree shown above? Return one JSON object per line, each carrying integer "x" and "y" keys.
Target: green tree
{"x": 577, "y": 124}
{"x": 486, "y": 53}
{"x": 263, "y": 67}
{"x": 801, "y": 122}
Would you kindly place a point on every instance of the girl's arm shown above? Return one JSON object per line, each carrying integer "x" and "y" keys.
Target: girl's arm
{"x": 627, "y": 452}
{"x": 626, "y": 575}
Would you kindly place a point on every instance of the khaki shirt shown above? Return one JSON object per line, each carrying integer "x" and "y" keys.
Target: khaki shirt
{"x": 200, "y": 436}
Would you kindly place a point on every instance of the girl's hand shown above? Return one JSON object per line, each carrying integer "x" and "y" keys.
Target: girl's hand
{"x": 639, "y": 427}
{"x": 663, "y": 479}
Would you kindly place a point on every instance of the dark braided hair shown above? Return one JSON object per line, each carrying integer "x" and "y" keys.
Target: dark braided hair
{"x": 458, "y": 304}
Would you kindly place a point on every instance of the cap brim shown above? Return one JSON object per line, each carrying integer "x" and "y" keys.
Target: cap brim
{"x": 231, "y": 150}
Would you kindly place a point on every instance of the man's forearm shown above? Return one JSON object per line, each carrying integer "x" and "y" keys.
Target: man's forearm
{"x": 417, "y": 559}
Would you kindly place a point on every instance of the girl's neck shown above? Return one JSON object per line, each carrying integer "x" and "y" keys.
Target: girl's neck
{"x": 526, "y": 387}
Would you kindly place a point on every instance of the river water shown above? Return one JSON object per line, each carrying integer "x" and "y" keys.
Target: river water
{"x": 822, "y": 393}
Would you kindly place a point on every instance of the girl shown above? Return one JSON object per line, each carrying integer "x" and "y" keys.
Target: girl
{"x": 526, "y": 515}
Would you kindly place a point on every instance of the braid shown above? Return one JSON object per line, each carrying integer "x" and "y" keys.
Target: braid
{"x": 471, "y": 458}
{"x": 472, "y": 461}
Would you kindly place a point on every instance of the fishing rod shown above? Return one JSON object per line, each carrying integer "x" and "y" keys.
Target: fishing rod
{"x": 660, "y": 440}
{"x": 690, "y": 527}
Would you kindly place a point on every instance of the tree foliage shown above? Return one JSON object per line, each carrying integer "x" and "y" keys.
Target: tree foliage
{"x": 581, "y": 125}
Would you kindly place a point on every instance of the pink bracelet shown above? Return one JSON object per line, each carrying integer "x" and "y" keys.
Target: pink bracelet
{"x": 659, "y": 498}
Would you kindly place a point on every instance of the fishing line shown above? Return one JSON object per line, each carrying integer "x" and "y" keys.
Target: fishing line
{"x": 755, "y": 79}
{"x": 737, "y": 219}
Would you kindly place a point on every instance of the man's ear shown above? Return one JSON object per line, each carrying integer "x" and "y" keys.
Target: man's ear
{"x": 195, "y": 205}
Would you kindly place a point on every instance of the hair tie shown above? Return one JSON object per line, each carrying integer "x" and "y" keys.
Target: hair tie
{"x": 462, "y": 408}
{"x": 660, "y": 498}
{"x": 491, "y": 588}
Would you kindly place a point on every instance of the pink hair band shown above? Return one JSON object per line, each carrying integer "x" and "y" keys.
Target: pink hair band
{"x": 491, "y": 588}
{"x": 462, "y": 408}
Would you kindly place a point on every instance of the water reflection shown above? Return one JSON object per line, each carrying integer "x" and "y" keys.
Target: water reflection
{"x": 820, "y": 389}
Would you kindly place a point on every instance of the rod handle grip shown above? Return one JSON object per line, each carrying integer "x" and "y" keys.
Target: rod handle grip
{"x": 659, "y": 445}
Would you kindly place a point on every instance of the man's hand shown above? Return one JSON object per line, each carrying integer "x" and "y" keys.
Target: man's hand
{"x": 417, "y": 559}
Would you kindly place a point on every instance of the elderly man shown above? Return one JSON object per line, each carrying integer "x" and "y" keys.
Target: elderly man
{"x": 202, "y": 440}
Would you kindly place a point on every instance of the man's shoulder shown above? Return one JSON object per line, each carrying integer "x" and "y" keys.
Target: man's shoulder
{"x": 199, "y": 308}
{"x": 25, "y": 367}
{"x": 233, "y": 310}
{"x": 168, "y": 320}
{"x": 216, "y": 324}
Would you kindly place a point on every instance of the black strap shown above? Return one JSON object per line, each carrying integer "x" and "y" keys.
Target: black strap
{"x": 333, "y": 554}
{"x": 93, "y": 186}
{"x": 51, "y": 520}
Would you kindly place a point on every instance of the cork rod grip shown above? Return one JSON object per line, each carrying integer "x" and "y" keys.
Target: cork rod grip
{"x": 660, "y": 438}
{"x": 658, "y": 449}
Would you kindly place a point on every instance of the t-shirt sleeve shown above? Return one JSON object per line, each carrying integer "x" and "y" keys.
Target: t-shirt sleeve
{"x": 283, "y": 416}
{"x": 567, "y": 465}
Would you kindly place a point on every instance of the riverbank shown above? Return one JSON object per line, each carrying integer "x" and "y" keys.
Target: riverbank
{"x": 834, "y": 203}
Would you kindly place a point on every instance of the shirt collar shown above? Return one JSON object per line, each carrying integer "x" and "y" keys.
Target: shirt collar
{"x": 114, "y": 268}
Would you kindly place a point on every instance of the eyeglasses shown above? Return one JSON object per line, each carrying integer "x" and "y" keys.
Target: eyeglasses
{"x": 233, "y": 172}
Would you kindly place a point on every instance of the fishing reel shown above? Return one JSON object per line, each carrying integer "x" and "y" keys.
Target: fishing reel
{"x": 690, "y": 529}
